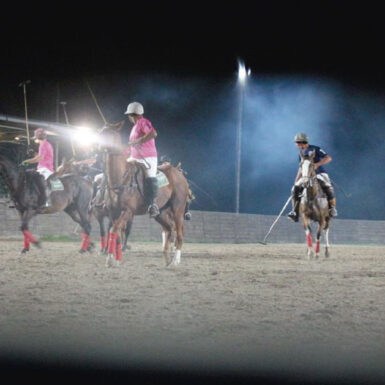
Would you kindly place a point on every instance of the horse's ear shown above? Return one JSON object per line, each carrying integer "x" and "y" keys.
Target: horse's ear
{"x": 119, "y": 125}
{"x": 115, "y": 126}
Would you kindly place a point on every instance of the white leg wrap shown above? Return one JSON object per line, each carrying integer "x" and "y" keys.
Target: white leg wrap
{"x": 176, "y": 260}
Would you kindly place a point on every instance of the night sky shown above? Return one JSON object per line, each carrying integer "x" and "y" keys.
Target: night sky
{"x": 316, "y": 67}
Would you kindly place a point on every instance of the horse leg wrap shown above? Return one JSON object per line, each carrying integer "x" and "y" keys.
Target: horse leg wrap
{"x": 85, "y": 241}
{"x": 317, "y": 247}
{"x": 118, "y": 255}
{"x": 103, "y": 242}
{"x": 309, "y": 239}
{"x": 26, "y": 240}
{"x": 112, "y": 243}
{"x": 29, "y": 236}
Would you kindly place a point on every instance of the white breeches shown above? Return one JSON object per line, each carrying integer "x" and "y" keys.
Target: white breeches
{"x": 324, "y": 177}
{"x": 45, "y": 172}
{"x": 151, "y": 164}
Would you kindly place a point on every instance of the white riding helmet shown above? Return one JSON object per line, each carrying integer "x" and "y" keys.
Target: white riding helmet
{"x": 301, "y": 137}
{"x": 135, "y": 108}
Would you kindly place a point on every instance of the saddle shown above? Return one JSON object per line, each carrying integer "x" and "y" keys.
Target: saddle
{"x": 54, "y": 183}
{"x": 161, "y": 175}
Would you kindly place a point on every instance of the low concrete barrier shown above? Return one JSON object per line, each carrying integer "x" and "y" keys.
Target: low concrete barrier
{"x": 205, "y": 226}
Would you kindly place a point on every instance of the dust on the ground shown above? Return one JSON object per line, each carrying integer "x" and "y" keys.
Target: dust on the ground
{"x": 236, "y": 306}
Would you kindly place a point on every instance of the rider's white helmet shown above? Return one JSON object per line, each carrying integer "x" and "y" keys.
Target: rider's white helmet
{"x": 135, "y": 108}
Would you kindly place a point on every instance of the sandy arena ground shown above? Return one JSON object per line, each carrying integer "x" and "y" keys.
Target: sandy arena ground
{"x": 241, "y": 308}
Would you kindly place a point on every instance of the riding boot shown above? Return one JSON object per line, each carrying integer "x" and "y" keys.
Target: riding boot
{"x": 329, "y": 191}
{"x": 94, "y": 190}
{"x": 48, "y": 202}
{"x": 294, "y": 213}
{"x": 153, "y": 208}
{"x": 332, "y": 207}
{"x": 41, "y": 184}
{"x": 187, "y": 213}
{"x": 98, "y": 191}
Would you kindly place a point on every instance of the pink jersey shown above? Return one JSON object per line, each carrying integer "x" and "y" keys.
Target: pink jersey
{"x": 142, "y": 127}
{"x": 46, "y": 154}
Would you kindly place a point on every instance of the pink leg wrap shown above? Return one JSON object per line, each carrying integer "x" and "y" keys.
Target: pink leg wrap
{"x": 29, "y": 236}
{"x": 317, "y": 246}
{"x": 118, "y": 255}
{"x": 112, "y": 243}
{"x": 103, "y": 242}
{"x": 85, "y": 241}
{"x": 26, "y": 240}
{"x": 309, "y": 240}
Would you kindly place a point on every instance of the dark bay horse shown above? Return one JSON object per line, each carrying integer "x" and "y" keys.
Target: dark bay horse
{"x": 97, "y": 208}
{"x": 313, "y": 207}
{"x": 126, "y": 197}
{"x": 73, "y": 198}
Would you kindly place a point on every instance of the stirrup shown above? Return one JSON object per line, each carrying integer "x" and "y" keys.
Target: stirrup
{"x": 333, "y": 212}
{"x": 153, "y": 210}
{"x": 293, "y": 216}
{"x": 187, "y": 215}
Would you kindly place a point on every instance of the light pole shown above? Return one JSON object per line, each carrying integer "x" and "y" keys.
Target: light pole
{"x": 242, "y": 76}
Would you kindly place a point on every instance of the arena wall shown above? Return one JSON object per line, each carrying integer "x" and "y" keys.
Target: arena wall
{"x": 205, "y": 227}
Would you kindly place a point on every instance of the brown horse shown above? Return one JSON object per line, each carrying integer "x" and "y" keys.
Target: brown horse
{"x": 72, "y": 196}
{"x": 126, "y": 197}
{"x": 313, "y": 207}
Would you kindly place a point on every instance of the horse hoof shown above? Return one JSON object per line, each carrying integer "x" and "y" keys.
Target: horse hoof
{"x": 91, "y": 247}
{"x": 24, "y": 251}
{"x": 110, "y": 260}
{"x": 82, "y": 251}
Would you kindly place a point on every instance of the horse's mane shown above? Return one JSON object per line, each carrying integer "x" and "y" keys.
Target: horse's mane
{"x": 315, "y": 186}
{"x": 8, "y": 169}
{"x": 134, "y": 169}
{"x": 13, "y": 151}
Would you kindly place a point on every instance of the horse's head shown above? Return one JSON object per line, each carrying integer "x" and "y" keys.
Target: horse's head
{"x": 308, "y": 172}
{"x": 110, "y": 139}
{"x": 66, "y": 167}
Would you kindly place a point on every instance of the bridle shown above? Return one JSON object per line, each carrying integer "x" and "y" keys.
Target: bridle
{"x": 308, "y": 173}
{"x": 309, "y": 180}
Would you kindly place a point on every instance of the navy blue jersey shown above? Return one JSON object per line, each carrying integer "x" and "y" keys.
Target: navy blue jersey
{"x": 319, "y": 154}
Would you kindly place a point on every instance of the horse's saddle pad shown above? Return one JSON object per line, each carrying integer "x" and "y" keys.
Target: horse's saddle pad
{"x": 161, "y": 179}
{"x": 56, "y": 184}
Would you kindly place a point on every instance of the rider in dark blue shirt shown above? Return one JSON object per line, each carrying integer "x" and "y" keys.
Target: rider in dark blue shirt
{"x": 320, "y": 159}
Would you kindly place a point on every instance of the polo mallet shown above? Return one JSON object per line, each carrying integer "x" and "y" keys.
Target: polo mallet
{"x": 347, "y": 195}
{"x": 276, "y": 220}
{"x": 24, "y": 85}
{"x": 96, "y": 103}
{"x": 68, "y": 123}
